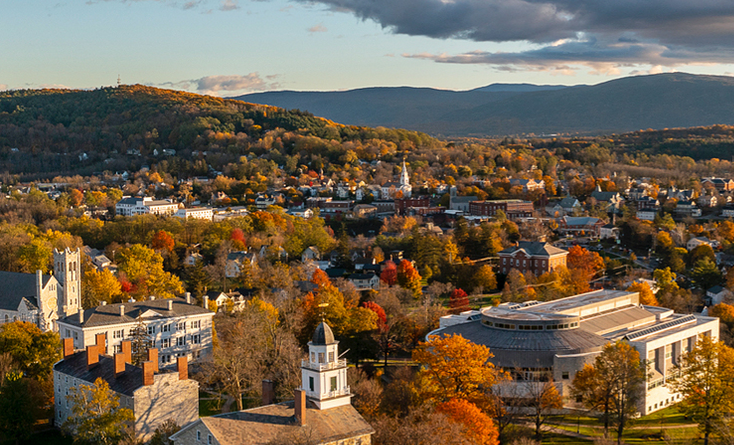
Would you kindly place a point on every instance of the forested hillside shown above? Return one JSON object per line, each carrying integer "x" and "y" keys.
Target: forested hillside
{"x": 50, "y": 132}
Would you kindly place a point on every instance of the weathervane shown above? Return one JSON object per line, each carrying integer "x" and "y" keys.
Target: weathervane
{"x": 323, "y": 305}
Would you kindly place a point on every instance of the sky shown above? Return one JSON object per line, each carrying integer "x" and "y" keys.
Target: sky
{"x": 231, "y": 47}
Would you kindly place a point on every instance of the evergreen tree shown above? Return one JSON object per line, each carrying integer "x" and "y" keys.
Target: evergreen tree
{"x": 141, "y": 342}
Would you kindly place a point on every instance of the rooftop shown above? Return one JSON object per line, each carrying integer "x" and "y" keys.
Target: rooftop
{"x": 110, "y": 314}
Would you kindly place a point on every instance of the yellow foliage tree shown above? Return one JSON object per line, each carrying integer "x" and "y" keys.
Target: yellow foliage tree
{"x": 455, "y": 368}
{"x": 646, "y": 296}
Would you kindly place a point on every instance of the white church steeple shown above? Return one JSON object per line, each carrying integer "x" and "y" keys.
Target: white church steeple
{"x": 405, "y": 186}
{"x": 324, "y": 374}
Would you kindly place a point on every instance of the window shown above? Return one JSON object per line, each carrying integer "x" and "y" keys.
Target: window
{"x": 166, "y": 328}
{"x": 333, "y": 384}
{"x": 310, "y": 383}
{"x": 118, "y": 349}
{"x": 313, "y": 357}
{"x": 198, "y": 435}
{"x": 209, "y": 439}
{"x": 166, "y": 343}
{"x": 321, "y": 357}
{"x": 180, "y": 341}
{"x": 565, "y": 375}
{"x": 331, "y": 357}
{"x": 118, "y": 334}
{"x": 181, "y": 326}
{"x": 196, "y": 339}
{"x": 151, "y": 330}
{"x": 196, "y": 324}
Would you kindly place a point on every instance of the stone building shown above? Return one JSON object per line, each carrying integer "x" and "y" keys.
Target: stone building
{"x": 177, "y": 327}
{"x": 321, "y": 414}
{"x": 153, "y": 395}
{"x": 532, "y": 256}
{"x": 555, "y": 339}
{"x": 42, "y": 299}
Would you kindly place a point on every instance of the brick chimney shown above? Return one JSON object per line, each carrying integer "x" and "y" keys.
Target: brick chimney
{"x": 127, "y": 350}
{"x": 182, "y": 365}
{"x": 153, "y": 358}
{"x": 101, "y": 343}
{"x": 119, "y": 364}
{"x": 299, "y": 406}
{"x": 170, "y": 305}
{"x": 148, "y": 373}
{"x": 92, "y": 356}
{"x": 268, "y": 396}
{"x": 67, "y": 346}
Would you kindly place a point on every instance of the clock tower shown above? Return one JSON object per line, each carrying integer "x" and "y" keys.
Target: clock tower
{"x": 67, "y": 270}
{"x": 324, "y": 374}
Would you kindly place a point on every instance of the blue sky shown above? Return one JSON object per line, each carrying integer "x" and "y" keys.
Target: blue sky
{"x": 229, "y": 47}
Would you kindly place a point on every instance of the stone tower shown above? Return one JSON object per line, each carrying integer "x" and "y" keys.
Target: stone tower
{"x": 67, "y": 269}
{"x": 324, "y": 375}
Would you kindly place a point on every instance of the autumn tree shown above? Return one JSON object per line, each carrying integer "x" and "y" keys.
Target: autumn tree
{"x": 705, "y": 379}
{"x": 705, "y": 274}
{"x": 32, "y": 350}
{"x": 20, "y": 405}
{"x": 96, "y": 416}
{"x": 646, "y": 296}
{"x": 478, "y": 427}
{"x": 583, "y": 266}
{"x": 99, "y": 286}
{"x": 409, "y": 278}
{"x": 613, "y": 385}
{"x": 543, "y": 399}
{"x": 162, "y": 242}
{"x": 455, "y": 368}
{"x": 144, "y": 268}
{"x": 485, "y": 278}
{"x": 389, "y": 274}
{"x": 458, "y": 301}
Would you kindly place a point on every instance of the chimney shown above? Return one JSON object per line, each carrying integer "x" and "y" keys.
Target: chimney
{"x": 206, "y": 302}
{"x": 127, "y": 350}
{"x": 81, "y": 316}
{"x": 170, "y": 305}
{"x": 67, "y": 346}
{"x": 122, "y": 310}
{"x": 92, "y": 356}
{"x": 182, "y": 364}
{"x": 119, "y": 364}
{"x": 104, "y": 303}
{"x": 99, "y": 341}
{"x": 148, "y": 373}
{"x": 299, "y": 406}
{"x": 153, "y": 358}
{"x": 188, "y": 297}
{"x": 268, "y": 396}
{"x": 152, "y": 297}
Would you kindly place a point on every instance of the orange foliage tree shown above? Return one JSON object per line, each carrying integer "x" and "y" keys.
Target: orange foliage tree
{"x": 646, "y": 295}
{"x": 582, "y": 266}
{"x": 478, "y": 427}
{"x": 409, "y": 278}
{"x": 162, "y": 241}
{"x": 320, "y": 278}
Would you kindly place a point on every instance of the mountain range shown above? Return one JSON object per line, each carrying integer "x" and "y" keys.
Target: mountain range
{"x": 632, "y": 103}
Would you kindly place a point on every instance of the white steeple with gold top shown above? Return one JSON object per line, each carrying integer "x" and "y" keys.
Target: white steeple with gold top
{"x": 405, "y": 182}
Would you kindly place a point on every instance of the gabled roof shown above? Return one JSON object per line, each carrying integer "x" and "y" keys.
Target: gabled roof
{"x": 110, "y": 314}
{"x": 76, "y": 366}
{"x": 16, "y": 286}
{"x": 259, "y": 426}
{"x": 535, "y": 248}
{"x": 580, "y": 220}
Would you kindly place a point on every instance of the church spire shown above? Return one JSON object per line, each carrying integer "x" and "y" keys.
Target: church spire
{"x": 404, "y": 178}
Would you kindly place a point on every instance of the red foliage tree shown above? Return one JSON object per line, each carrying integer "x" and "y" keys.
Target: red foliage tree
{"x": 238, "y": 239}
{"x": 458, "y": 301}
{"x": 320, "y": 278}
{"x": 162, "y": 241}
{"x": 377, "y": 309}
{"x": 390, "y": 274}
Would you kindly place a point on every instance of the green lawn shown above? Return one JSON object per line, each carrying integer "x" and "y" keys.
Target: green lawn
{"x": 208, "y": 406}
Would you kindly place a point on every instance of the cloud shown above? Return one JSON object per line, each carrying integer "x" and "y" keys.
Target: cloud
{"x": 317, "y": 28}
{"x": 229, "y": 5}
{"x": 673, "y": 32}
{"x": 234, "y": 84}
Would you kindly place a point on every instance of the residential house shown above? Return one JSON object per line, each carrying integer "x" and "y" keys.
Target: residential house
{"x": 528, "y": 185}
{"x": 698, "y": 241}
{"x": 364, "y": 281}
{"x": 687, "y": 208}
{"x": 236, "y": 261}
{"x": 578, "y": 225}
{"x": 717, "y": 295}
{"x": 720, "y": 184}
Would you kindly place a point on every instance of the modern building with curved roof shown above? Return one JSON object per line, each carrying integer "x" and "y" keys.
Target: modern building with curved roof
{"x": 537, "y": 340}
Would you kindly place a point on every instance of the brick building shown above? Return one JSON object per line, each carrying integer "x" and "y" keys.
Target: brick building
{"x": 532, "y": 256}
{"x": 403, "y": 204}
{"x": 513, "y": 208}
